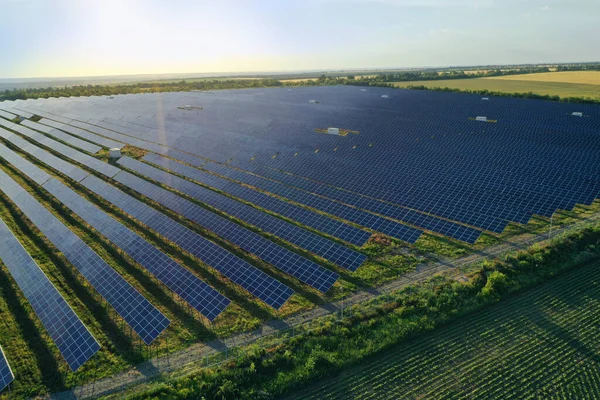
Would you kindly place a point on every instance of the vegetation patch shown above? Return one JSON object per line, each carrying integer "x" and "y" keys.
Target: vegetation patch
{"x": 381, "y": 324}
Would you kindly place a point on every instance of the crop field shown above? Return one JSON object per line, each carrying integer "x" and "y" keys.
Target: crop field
{"x": 154, "y": 222}
{"x": 539, "y": 344}
{"x": 578, "y": 77}
{"x": 563, "y": 84}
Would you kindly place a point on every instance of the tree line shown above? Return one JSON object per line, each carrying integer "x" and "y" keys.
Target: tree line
{"x": 143, "y": 87}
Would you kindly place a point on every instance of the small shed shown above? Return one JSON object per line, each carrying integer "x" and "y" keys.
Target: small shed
{"x": 114, "y": 153}
{"x": 577, "y": 114}
{"x": 482, "y": 119}
{"x": 333, "y": 131}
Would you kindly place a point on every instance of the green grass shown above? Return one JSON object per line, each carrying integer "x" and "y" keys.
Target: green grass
{"x": 540, "y": 344}
{"x": 562, "y": 89}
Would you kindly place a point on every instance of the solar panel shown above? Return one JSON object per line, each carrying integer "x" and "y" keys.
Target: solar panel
{"x": 319, "y": 222}
{"x": 102, "y": 141}
{"x": 325, "y": 248}
{"x": 73, "y": 141}
{"x": 6, "y": 374}
{"x": 379, "y": 224}
{"x": 7, "y": 115}
{"x": 33, "y": 172}
{"x": 280, "y": 257}
{"x": 263, "y": 286}
{"x": 415, "y": 158}
{"x": 69, "y": 152}
{"x": 51, "y": 160}
{"x": 142, "y": 144}
{"x": 412, "y": 217}
{"x": 142, "y": 316}
{"x": 75, "y": 342}
{"x": 22, "y": 113}
{"x": 197, "y": 293}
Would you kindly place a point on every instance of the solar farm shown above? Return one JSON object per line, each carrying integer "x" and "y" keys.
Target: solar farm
{"x": 169, "y": 219}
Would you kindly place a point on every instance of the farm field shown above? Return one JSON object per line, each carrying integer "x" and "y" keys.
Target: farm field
{"x": 578, "y": 77}
{"x": 250, "y": 212}
{"x": 563, "y": 84}
{"x": 539, "y": 344}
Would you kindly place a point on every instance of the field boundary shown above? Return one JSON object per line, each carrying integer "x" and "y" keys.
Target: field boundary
{"x": 214, "y": 353}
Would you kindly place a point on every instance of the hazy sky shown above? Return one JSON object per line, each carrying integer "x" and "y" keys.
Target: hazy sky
{"x": 48, "y": 38}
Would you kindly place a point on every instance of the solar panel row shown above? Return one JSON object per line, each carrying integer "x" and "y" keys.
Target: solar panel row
{"x": 102, "y": 141}
{"x": 327, "y": 249}
{"x": 6, "y": 374}
{"x": 73, "y": 141}
{"x": 319, "y": 222}
{"x": 7, "y": 115}
{"x": 240, "y": 272}
{"x": 142, "y": 316}
{"x": 75, "y": 342}
{"x": 186, "y": 285}
{"x": 16, "y": 111}
{"x": 52, "y": 161}
{"x": 41, "y": 113}
{"x": 280, "y": 257}
{"x": 379, "y": 224}
{"x": 263, "y": 286}
{"x": 417, "y": 153}
{"x": 69, "y": 152}
{"x": 418, "y": 219}
{"x": 431, "y": 202}
{"x": 36, "y": 174}
{"x": 328, "y": 225}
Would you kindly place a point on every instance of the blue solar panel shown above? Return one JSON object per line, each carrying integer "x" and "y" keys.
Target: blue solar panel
{"x": 69, "y": 152}
{"x": 415, "y": 156}
{"x": 331, "y": 251}
{"x": 319, "y": 222}
{"x": 102, "y": 141}
{"x": 418, "y": 219}
{"x": 142, "y": 316}
{"x": 263, "y": 286}
{"x": 51, "y": 160}
{"x": 75, "y": 342}
{"x": 73, "y": 141}
{"x": 6, "y": 374}
{"x": 120, "y": 137}
{"x": 33, "y": 172}
{"x": 379, "y": 224}
{"x": 280, "y": 257}
{"x": 197, "y": 293}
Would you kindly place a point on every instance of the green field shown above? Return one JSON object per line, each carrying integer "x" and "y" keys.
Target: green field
{"x": 540, "y": 344}
{"x": 515, "y": 85}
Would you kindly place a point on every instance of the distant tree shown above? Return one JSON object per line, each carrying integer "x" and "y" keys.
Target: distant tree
{"x": 350, "y": 77}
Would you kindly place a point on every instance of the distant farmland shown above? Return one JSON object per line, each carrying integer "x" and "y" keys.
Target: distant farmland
{"x": 563, "y": 84}
{"x": 540, "y": 344}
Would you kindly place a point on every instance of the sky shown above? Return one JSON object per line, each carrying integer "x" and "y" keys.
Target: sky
{"x": 71, "y": 38}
